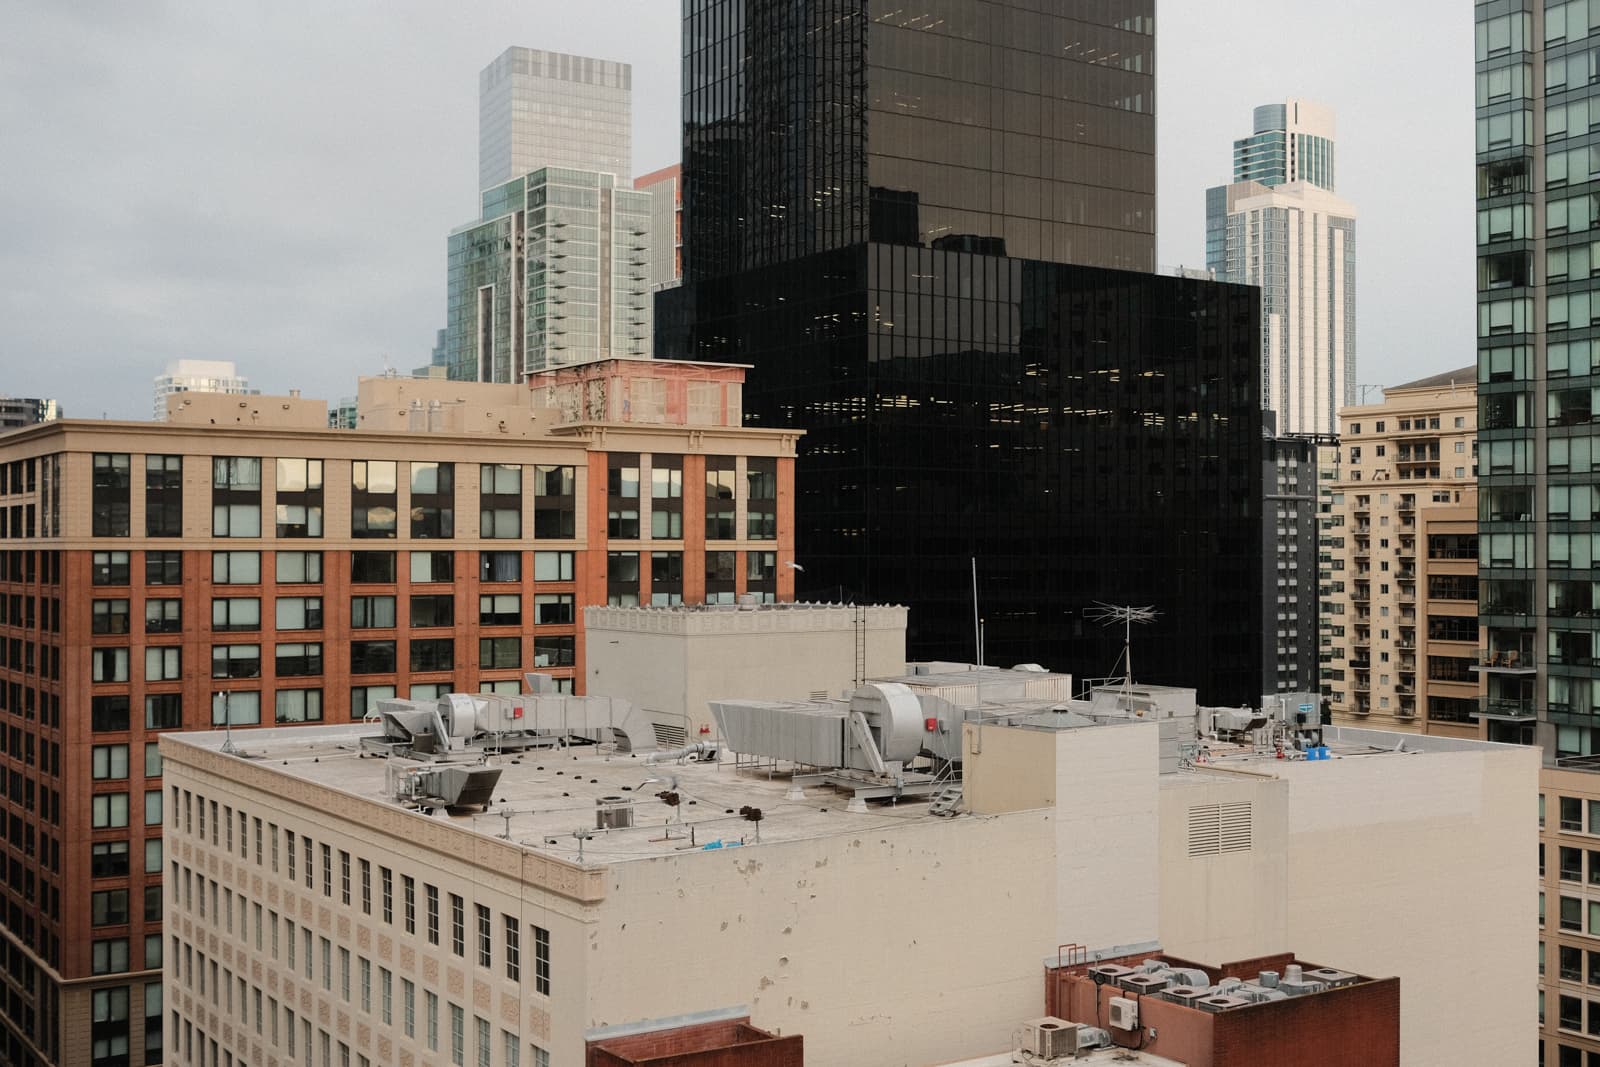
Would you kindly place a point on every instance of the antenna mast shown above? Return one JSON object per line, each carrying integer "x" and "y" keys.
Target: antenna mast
{"x": 1127, "y": 614}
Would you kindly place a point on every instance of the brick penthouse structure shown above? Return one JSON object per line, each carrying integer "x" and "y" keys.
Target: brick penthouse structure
{"x": 449, "y": 543}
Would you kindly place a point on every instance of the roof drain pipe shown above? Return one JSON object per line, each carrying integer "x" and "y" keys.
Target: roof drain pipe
{"x": 699, "y": 748}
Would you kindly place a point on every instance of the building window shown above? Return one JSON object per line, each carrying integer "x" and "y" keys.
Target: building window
{"x": 622, "y": 497}
{"x": 721, "y": 577}
{"x": 458, "y": 925}
{"x": 301, "y": 660}
{"x": 433, "y": 500}
{"x": 108, "y": 664}
{"x": 236, "y": 613}
{"x": 108, "y": 859}
{"x": 236, "y": 496}
{"x": 299, "y": 498}
{"x": 761, "y": 575}
{"x": 485, "y": 935}
{"x": 109, "y": 762}
{"x": 108, "y": 907}
{"x": 364, "y": 699}
{"x": 433, "y": 654}
{"x": 552, "y": 609}
{"x": 109, "y": 956}
{"x": 499, "y": 653}
{"x": 162, "y": 711}
{"x": 163, "y": 496}
{"x": 110, "y": 568}
{"x": 500, "y": 500}
{"x": 236, "y": 568}
{"x": 235, "y": 661}
{"x": 431, "y": 895}
{"x": 299, "y": 613}
{"x": 108, "y": 1027}
{"x": 110, "y": 495}
{"x": 372, "y": 657}
{"x": 666, "y": 497}
{"x": 499, "y": 609}
{"x": 298, "y": 705}
{"x": 666, "y": 578}
{"x": 372, "y": 567}
{"x": 622, "y": 579}
{"x": 299, "y": 568}
{"x": 108, "y": 617}
{"x": 761, "y": 504}
{"x": 374, "y": 500}
{"x": 513, "y": 934}
{"x": 554, "y": 651}
{"x": 432, "y": 567}
{"x": 555, "y": 505}
{"x": 236, "y": 707}
{"x": 541, "y": 960}
{"x": 500, "y": 566}
{"x": 162, "y": 568}
{"x": 372, "y": 612}
{"x": 163, "y": 616}
{"x": 721, "y": 505}
{"x": 109, "y": 810}
{"x": 552, "y": 566}
{"x": 428, "y": 611}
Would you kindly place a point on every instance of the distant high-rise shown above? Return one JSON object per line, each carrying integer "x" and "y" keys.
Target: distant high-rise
{"x": 198, "y": 376}
{"x": 548, "y": 109}
{"x": 555, "y": 273}
{"x": 923, "y": 233}
{"x": 665, "y": 187}
{"x": 1279, "y": 226}
{"x": 1292, "y": 142}
{"x": 18, "y": 411}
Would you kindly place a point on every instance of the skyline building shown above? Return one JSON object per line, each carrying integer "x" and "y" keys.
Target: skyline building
{"x": 1538, "y": 303}
{"x": 1279, "y": 226}
{"x": 198, "y": 376}
{"x": 935, "y": 302}
{"x": 449, "y": 544}
{"x": 555, "y": 273}
{"x": 18, "y": 411}
{"x": 1400, "y": 581}
{"x": 550, "y": 109}
{"x": 665, "y": 187}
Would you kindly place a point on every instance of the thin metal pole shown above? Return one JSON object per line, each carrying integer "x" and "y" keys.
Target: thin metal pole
{"x": 977, "y": 625}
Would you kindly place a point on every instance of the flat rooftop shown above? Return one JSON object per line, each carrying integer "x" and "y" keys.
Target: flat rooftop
{"x": 544, "y": 796}
{"x": 1341, "y": 743}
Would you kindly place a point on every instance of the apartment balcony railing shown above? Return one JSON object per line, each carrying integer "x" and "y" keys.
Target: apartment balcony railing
{"x": 1507, "y": 707}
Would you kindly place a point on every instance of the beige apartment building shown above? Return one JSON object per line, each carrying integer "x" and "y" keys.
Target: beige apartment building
{"x": 1399, "y": 562}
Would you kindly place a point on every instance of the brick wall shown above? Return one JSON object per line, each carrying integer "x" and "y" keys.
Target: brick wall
{"x": 729, "y": 1043}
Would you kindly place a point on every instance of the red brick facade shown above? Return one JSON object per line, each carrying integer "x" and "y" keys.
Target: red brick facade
{"x": 730, "y": 1043}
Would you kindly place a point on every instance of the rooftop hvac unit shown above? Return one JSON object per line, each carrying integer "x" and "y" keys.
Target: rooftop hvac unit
{"x": 1331, "y": 977}
{"x": 1124, "y": 1014}
{"x": 1050, "y": 1038}
{"x": 1220, "y": 1003}
{"x": 1112, "y": 973}
{"x": 613, "y": 813}
{"x": 1187, "y": 995}
{"x": 1143, "y": 983}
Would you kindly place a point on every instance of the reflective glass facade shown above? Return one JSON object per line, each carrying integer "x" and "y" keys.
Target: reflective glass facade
{"x": 557, "y": 274}
{"x": 881, "y": 203}
{"x": 1002, "y": 126}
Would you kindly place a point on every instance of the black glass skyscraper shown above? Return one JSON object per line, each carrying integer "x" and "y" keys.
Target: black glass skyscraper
{"x": 907, "y": 218}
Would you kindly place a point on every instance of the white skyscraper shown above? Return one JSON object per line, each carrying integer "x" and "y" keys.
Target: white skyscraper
{"x": 1279, "y": 226}
{"x": 198, "y": 376}
{"x": 548, "y": 109}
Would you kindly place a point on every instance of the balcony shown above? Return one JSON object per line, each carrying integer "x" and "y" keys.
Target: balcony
{"x": 1507, "y": 707}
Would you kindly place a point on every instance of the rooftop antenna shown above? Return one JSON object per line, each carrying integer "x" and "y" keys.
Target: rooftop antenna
{"x": 1127, "y": 614}
{"x": 228, "y": 748}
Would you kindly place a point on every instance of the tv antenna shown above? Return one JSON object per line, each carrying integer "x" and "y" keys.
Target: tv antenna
{"x": 1127, "y": 614}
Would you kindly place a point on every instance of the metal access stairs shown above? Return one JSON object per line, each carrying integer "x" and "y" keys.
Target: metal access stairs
{"x": 947, "y": 799}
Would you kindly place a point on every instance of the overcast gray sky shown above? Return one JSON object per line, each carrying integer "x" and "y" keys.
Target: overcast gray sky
{"x": 272, "y": 182}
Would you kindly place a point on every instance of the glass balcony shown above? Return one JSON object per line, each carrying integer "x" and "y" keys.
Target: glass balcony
{"x": 1502, "y": 707}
